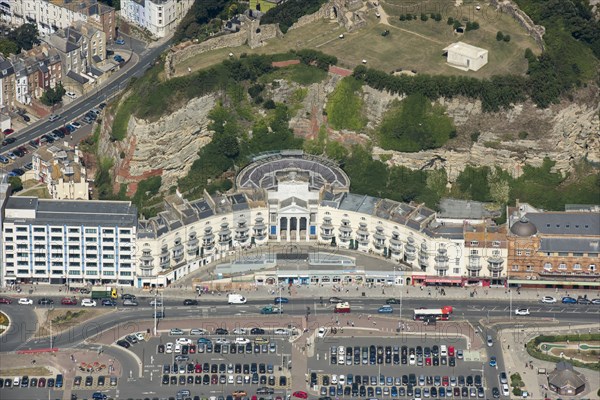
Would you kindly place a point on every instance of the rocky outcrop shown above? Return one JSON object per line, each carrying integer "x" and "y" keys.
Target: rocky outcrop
{"x": 167, "y": 147}
{"x": 524, "y": 134}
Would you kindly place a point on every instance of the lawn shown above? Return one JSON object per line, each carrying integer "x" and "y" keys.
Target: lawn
{"x": 411, "y": 45}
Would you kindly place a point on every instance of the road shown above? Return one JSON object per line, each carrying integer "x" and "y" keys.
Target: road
{"x": 126, "y": 318}
{"x": 135, "y": 67}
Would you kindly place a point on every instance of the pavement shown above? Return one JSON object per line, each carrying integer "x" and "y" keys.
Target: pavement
{"x": 184, "y": 291}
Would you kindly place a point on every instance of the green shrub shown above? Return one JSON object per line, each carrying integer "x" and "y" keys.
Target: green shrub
{"x": 475, "y": 136}
{"x": 499, "y": 36}
{"x": 523, "y": 135}
{"x": 402, "y": 17}
{"x": 506, "y": 38}
{"x": 450, "y": 21}
{"x": 424, "y": 17}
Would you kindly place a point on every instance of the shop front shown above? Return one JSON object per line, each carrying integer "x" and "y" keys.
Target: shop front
{"x": 447, "y": 281}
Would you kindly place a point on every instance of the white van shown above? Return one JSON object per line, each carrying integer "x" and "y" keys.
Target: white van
{"x": 236, "y": 299}
{"x": 443, "y": 350}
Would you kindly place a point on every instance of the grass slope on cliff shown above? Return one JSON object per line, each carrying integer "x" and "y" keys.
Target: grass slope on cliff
{"x": 345, "y": 106}
{"x": 414, "y": 124}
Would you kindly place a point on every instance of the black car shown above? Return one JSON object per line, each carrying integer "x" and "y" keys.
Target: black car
{"x": 123, "y": 343}
{"x": 89, "y": 380}
{"x": 265, "y": 390}
{"x": 190, "y": 302}
{"x": 127, "y": 296}
{"x": 20, "y": 172}
{"x": 59, "y": 133}
{"x": 109, "y": 303}
{"x": 335, "y": 300}
{"x": 45, "y": 301}
{"x": 221, "y": 331}
{"x": 392, "y": 301}
{"x": 470, "y": 380}
{"x": 165, "y": 379}
{"x": 495, "y": 393}
{"x": 101, "y": 380}
{"x": 583, "y": 300}
{"x": 257, "y": 331}
{"x": 8, "y": 141}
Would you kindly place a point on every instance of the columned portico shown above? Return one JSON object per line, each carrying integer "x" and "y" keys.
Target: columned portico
{"x": 290, "y": 228}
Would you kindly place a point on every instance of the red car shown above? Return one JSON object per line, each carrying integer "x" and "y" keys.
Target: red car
{"x": 4, "y": 300}
{"x": 198, "y": 368}
{"x": 68, "y": 301}
{"x": 8, "y": 132}
{"x": 300, "y": 394}
{"x": 445, "y": 381}
{"x": 192, "y": 349}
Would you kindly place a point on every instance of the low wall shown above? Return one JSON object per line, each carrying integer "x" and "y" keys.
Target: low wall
{"x": 535, "y": 31}
{"x": 175, "y": 57}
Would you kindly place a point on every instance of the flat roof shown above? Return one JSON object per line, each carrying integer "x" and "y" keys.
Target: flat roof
{"x": 75, "y": 212}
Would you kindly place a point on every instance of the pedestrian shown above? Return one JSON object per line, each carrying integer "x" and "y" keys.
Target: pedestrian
{"x": 374, "y": 323}
{"x": 508, "y": 347}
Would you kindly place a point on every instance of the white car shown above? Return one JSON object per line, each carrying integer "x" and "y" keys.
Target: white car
{"x": 183, "y": 340}
{"x": 169, "y": 348}
{"x": 334, "y": 379}
{"x": 281, "y": 331}
{"x": 177, "y": 348}
{"x": 342, "y": 379}
{"x": 88, "y": 303}
{"x": 71, "y": 95}
{"x": 412, "y": 360}
{"x": 321, "y": 333}
{"x": 230, "y": 380}
{"x": 522, "y": 311}
{"x": 505, "y": 390}
{"x": 240, "y": 331}
{"x": 140, "y": 336}
{"x": 75, "y": 124}
{"x": 198, "y": 332}
{"x": 157, "y": 303}
{"x": 242, "y": 340}
{"x": 222, "y": 341}
{"x": 548, "y": 299}
{"x": 25, "y": 301}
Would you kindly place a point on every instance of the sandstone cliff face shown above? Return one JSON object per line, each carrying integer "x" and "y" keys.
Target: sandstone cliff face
{"x": 167, "y": 147}
{"x": 525, "y": 134}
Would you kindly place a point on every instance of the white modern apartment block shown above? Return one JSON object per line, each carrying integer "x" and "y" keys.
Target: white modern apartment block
{"x": 58, "y": 242}
{"x": 291, "y": 197}
{"x": 159, "y": 17}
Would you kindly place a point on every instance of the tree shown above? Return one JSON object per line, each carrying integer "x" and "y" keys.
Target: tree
{"x": 424, "y": 17}
{"x": 8, "y": 47}
{"x": 16, "y": 184}
{"x": 506, "y": 38}
{"x": 53, "y": 96}
{"x": 25, "y": 36}
{"x": 450, "y": 21}
{"x": 499, "y": 36}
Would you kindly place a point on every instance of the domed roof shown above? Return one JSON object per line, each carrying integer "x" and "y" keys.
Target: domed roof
{"x": 523, "y": 227}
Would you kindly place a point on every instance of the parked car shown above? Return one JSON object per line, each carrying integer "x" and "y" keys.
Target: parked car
{"x": 109, "y": 303}
{"x": 120, "y": 41}
{"x": 5, "y": 300}
{"x": 69, "y": 301}
{"x": 548, "y": 299}
{"x": 25, "y": 301}
{"x": 583, "y": 300}
{"x": 71, "y": 95}
{"x": 88, "y": 303}
{"x": 75, "y": 124}
{"x": 569, "y": 300}
{"x": 8, "y": 132}
{"x": 4, "y": 160}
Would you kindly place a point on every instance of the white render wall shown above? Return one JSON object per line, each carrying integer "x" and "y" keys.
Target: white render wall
{"x": 160, "y": 18}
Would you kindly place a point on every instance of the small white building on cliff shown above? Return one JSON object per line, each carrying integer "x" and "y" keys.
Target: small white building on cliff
{"x": 466, "y": 57}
